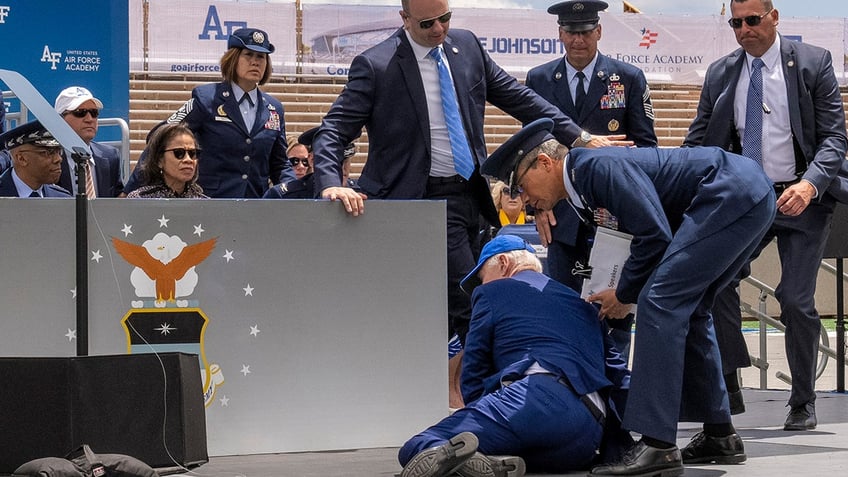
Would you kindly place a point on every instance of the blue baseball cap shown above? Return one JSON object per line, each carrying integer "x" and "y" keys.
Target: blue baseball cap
{"x": 499, "y": 244}
{"x": 252, "y": 39}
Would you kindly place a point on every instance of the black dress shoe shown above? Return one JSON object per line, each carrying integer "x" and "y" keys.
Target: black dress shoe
{"x": 801, "y": 418}
{"x": 737, "y": 402}
{"x": 645, "y": 461}
{"x": 480, "y": 465}
{"x": 704, "y": 449}
{"x": 442, "y": 460}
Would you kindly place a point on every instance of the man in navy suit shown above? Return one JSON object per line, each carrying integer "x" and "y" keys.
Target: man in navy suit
{"x": 615, "y": 99}
{"x": 80, "y": 110}
{"x": 538, "y": 379}
{"x": 803, "y": 145}
{"x": 695, "y": 214}
{"x": 36, "y": 163}
{"x": 394, "y": 91}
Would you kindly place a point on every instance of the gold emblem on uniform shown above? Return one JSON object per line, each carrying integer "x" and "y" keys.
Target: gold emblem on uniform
{"x": 578, "y": 7}
{"x": 221, "y": 111}
{"x": 613, "y": 125}
{"x": 258, "y": 37}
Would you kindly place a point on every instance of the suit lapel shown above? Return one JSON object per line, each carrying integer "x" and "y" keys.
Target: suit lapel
{"x": 408, "y": 64}
{"x": 460, "y": 79}
{"x": 790, "y": 75}
{"x": 229, "y": 105}
{"x": 561, "y": 90}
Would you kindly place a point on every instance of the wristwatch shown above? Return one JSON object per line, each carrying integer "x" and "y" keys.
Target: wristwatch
{"x": 582, "y": 140}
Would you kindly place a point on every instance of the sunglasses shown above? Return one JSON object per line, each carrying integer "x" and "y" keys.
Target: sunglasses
{"x": 514, "y": 188}
{"x": 428, "y": 23}
{"x": 80, "y": 113}
{"x": 299, "y": 160}
{"x": 751, "y": 21}
{"x": 180, "y": 152}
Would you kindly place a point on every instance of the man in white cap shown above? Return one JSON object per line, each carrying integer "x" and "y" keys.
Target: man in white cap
{"x": 35, "y": 167}
{"x": 80, "y": 109}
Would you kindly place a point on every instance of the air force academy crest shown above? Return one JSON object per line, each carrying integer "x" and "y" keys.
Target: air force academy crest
{"x": 164, "y": 318}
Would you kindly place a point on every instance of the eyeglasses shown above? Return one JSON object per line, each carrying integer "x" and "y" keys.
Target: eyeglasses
{"x": 507, "y": 191}
{"x": 180, "y": 152}
{"x": 299, "y": 160}
{"x": 751, "y": 21}
{"x": 80, "y": 113}
{"x": 428, "y": 23}
{"x": 514, "y": 183}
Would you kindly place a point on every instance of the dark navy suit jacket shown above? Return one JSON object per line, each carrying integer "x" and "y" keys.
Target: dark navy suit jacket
{"x": 385, "y": 95}
{"x": 107, "y": 171}
{"x": 816, "y": 115}
{"x": 635, "y": 119}
{"x": 8, "y": 189}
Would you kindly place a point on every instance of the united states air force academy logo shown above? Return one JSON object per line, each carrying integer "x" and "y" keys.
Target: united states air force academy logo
{"x": 165, "y": 318}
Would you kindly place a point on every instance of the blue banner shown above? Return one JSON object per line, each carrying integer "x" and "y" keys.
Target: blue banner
{"x": 55, "y": 44}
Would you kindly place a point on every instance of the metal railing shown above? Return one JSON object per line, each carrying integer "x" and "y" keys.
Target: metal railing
{"x": 765, "y": 321}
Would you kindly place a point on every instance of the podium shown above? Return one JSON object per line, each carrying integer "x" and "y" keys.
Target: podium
{"x": 144, "y": 405}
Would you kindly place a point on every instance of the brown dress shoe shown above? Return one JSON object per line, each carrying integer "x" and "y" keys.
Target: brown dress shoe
{"x": 704, "y": 449}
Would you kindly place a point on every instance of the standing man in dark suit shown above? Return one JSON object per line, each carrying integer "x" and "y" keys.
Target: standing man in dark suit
{"x": 425, "y": 141}
{"x": 796, "y": 129}
{"x": 612, "y": 97}
{"x": 696, "y": 215}
{"x": 36, "y": 163}
{"x": 80, "y": 109}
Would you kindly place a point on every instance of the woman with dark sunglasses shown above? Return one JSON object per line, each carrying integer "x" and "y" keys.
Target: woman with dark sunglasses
{"x": 240, "y": 128}
{"x": 170, "y": 171}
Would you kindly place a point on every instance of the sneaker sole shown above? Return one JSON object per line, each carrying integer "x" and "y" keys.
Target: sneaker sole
{"x": 480, "y": 465}
{"x": 442, "y": 460}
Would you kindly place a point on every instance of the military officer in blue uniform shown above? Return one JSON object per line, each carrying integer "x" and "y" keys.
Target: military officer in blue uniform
{"x": 615, "y": 100}
{"x": 239, "y": 128}
{"x": 696, "y": 215}
{"x": 538, "y": 380}
{"x": 36, "y": 163}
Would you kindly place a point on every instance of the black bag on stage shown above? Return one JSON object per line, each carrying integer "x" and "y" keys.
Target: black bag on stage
{"x": 85, "y": 463}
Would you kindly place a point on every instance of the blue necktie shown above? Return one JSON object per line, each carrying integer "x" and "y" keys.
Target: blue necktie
{"x": 35, "y": 194}
{"x": 580, "y": 92}
{"x": 462, "y": 160}
{"x": 752, "y": 142}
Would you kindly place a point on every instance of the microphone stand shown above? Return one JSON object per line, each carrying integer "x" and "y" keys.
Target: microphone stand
{"x": 81, "y": 157}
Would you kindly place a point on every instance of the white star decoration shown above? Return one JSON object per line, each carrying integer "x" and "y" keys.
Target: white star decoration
{"x": 248, "y": 290}
{"x": 165, "y": 329}
{"x": 95, "y": 256}
{"x": 229, "y": 255}
{"x": 225, "y": 401}
{"x": 127, "y": 230}
{"x": 245, "y": 369}
{"x": 71, "y": 334}
{"x": 198, "y": 229}
{"x": 163, "y": 222}
{"x": 254, "y": 330}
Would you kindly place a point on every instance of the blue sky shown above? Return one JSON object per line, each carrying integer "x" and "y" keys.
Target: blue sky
{"x": 787, "y": 8}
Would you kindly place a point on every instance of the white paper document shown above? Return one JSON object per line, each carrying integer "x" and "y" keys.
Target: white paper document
{"x": 609, "y": 252}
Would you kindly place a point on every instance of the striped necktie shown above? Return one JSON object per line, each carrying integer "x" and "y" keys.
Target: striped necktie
{"x": 462, "y": 160}
{"x": 752, "y": 140}
{"x": 90, "y": 192}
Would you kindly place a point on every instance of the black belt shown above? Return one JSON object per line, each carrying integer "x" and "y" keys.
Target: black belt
{"x": 454, "y": 179}
{"x": 593, "y": 409}
{"x": 779, "y": 187}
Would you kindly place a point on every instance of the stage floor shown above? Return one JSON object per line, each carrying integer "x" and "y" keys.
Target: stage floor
{"x": 771, "y": 451}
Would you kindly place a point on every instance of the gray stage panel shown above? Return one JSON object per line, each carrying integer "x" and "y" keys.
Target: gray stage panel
{"x": 315, "y": 330}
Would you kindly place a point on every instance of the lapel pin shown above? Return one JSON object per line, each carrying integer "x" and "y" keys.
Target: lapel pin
{"x": 226, "y": 94}
{"x": 558, "y": 75}
{"x": 790, "y": 63}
